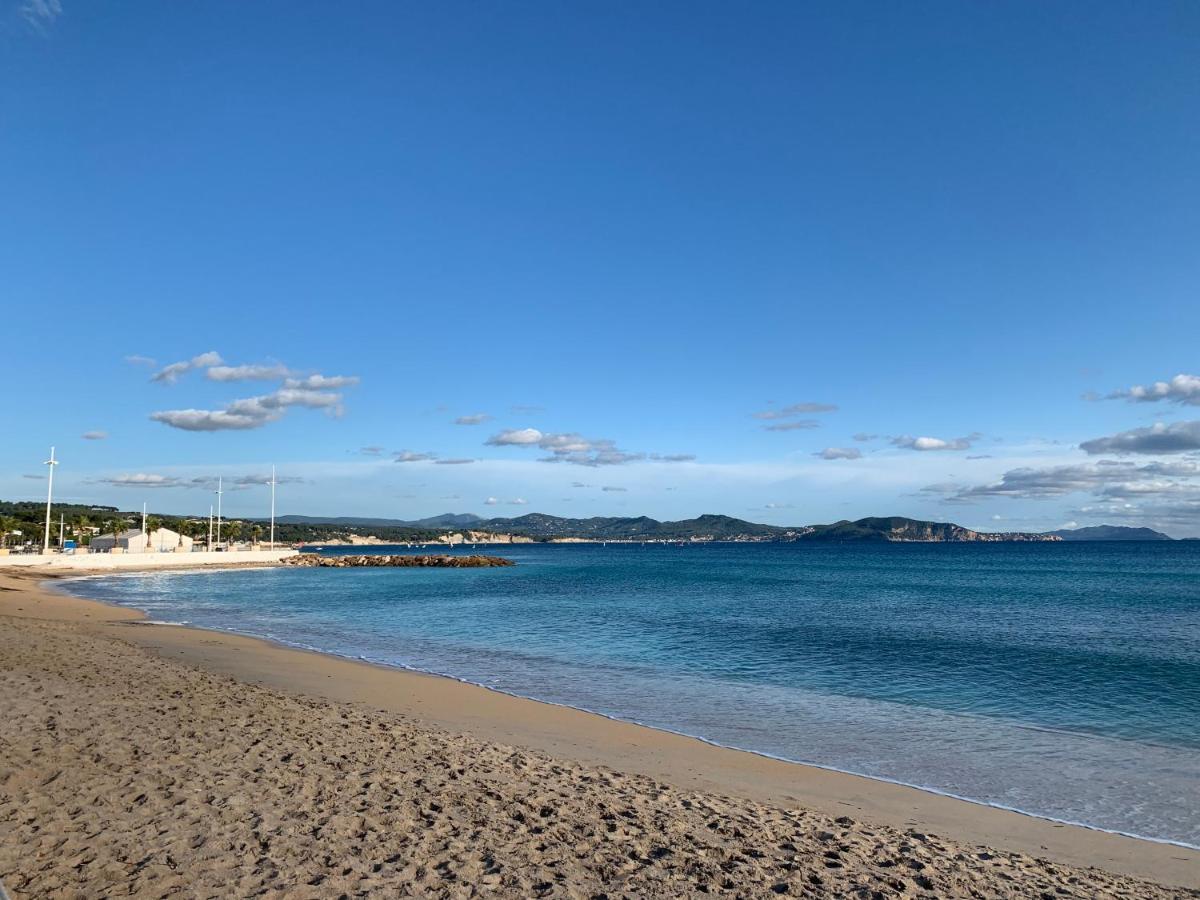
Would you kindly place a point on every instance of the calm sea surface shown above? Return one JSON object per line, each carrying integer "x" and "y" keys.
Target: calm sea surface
{"x": 1058, "y": 679}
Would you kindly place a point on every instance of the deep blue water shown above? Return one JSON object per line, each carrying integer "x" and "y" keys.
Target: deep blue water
{"x": 1059, "y": 679}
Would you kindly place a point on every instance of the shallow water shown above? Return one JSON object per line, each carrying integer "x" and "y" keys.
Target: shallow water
{"x": 1058, "y": 679}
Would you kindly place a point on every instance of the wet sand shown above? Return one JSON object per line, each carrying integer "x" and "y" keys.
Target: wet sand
{"x": 152, "y": 760}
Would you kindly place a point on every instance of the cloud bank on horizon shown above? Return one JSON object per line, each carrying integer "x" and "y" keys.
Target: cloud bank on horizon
{"x": 1163, "y": 490}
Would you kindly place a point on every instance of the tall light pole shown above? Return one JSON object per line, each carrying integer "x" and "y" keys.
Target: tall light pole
{"x": 51, "y": 462}
{"x": 272, "y": 483}
{"x": 219, "y": 492}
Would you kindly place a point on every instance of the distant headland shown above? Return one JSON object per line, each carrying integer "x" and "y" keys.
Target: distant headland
{"x": 23, "y": 520}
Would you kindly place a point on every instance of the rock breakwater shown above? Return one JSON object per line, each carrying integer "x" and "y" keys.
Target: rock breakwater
{"x": 444, "y": 561}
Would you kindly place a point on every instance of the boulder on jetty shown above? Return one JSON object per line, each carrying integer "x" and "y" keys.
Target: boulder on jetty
{"x": 428, "y": 562}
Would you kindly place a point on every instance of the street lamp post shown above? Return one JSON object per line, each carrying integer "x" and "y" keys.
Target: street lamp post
{"x": 272, "y": 482}
{"x": 219, "y": 492}
{"x": 51, "y": 462}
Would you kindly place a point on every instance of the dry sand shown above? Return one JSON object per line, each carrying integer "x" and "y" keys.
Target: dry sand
{"x": 142, "y": 760}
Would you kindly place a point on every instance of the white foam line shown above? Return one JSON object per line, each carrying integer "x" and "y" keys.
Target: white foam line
{"x": 696, "y": 737}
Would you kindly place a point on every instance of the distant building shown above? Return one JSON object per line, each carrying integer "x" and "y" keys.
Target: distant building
{"x": 161, "y": 540}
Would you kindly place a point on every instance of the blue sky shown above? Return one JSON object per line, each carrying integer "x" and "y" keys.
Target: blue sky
{"x": 631, "y": 237}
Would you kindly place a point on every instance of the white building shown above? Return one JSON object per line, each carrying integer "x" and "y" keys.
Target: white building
{"x": 161, "y": 540}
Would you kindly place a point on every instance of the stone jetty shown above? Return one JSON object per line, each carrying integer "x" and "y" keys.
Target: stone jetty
{"x": 312, "y": 560}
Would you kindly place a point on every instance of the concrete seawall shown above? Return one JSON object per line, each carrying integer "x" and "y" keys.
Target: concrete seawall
{"x": 140, "y": 561}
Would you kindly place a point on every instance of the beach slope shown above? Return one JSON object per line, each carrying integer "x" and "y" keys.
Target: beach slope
{"x": 144, "y": 760}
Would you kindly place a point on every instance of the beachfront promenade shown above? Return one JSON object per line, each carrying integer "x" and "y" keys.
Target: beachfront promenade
{"x": 135, "y": 561}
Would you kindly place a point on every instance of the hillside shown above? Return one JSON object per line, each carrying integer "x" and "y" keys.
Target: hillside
{"x": 1111, "y": 533}
{"x": 897, "y": 529}
{"x": 608, "y": 528}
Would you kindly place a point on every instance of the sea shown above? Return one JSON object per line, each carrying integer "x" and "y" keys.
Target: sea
{"x": 1058, "y": 679}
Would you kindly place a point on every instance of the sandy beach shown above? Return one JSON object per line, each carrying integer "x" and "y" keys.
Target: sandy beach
{"x": 150, "y": 760}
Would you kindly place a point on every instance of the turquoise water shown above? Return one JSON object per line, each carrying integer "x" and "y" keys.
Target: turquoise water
{"x": 1059, "y": 679}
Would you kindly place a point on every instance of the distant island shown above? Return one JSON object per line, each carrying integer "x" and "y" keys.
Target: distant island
{"x": 1111, "y": 533}
{"x": 22, "y": 523}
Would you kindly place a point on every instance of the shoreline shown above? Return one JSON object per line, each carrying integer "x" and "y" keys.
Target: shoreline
{"x": 593, "y": 739}
{"x": 285, "y": 645}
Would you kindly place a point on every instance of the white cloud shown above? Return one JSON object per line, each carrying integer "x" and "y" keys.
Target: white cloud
{"x": 41, "y": 13}
{"x": 453, "y": 462}
{"x": 371, "y": 450}
{"x": 208, "y": 420}
{"x": 136, "y": 359}
{"x": 251, "y": 412}
{"x": 1178, "y": 437}
{"x": 519, "y": 437}
{"x": 1182, "y": 388}
{"x": 569, "y": 447}
{"x": 518, "y": 501}
{"x": 840, "y": 453}
{"x": 270, "y": 372}
{"x": 932, "y": 443}
{"x": 1105, "y": 478}
{"x": 407, "y": 456}
{"x": 475, "y": 419}
{"x": 94, "y": 435}
{"x": 796, "y": 409}
{"x": 172, "y": 373}
{"x": 322, "y": 382}
{"x": 613, "y": 489}
{"x": 490, "y": 501}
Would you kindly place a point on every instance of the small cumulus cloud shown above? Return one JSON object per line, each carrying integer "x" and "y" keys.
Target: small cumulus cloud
{"x": 490, "y": 501}
{"x": 931, "y": 443}
{"x": 136, "y": 359}
{"x": 94, "y": 435}
{"x": 566, "y": 447}
{"x": 271, "y": 372}
{"x": 408, "y": 456}
{"x": 518, "y": 501}
{"x": 371, "y": 450}
{"x": 1184, "y": 389}
{"x": 170, "y": 374}
{"x": 778, "y": 506}
{"x": 839, "y": 453}
{"x": 474, "y": 419}
{"x": 252, "y": 412}
{"x": 864, "y": 436}
{"x": 798, "y": 425}
{"x": 517, "y": 437}
{"x": 322, "y": 382}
